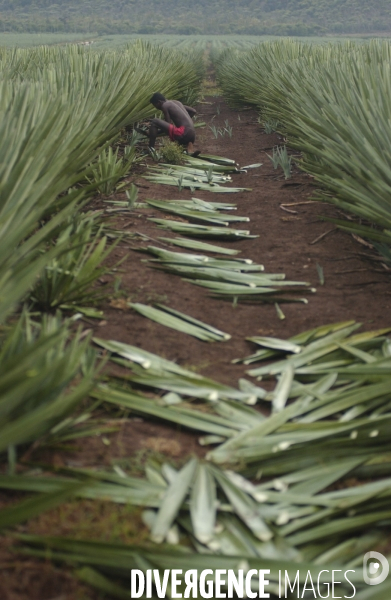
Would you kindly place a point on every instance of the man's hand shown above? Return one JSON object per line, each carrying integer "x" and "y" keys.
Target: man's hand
{"x": 191, "y": 111}
{"x": 166, "y": 115}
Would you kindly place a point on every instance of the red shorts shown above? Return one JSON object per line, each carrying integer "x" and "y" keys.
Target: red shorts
{"x": 175, "y": 132}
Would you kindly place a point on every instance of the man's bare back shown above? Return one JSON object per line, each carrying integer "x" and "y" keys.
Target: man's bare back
{"x": 178, "y": 113}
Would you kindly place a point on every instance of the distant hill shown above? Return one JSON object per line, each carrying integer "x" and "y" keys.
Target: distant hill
{"x": 281, "y": 17}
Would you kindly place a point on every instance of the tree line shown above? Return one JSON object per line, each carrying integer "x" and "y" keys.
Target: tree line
{"x": 251, "y": 17}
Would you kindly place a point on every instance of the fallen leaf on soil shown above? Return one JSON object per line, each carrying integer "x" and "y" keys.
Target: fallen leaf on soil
{"x": 361, "y": 241}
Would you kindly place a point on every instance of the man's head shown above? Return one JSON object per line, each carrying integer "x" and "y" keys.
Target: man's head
{"x": 157, "y": 100}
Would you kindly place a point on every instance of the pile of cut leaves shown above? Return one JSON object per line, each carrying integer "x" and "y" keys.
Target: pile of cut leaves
{"x": 180, "y": 322}
{"x": 306, "y": 488}
{"x": 206, "y": 219}
{"x": 230, "y": 278}
{"x": 206, "y": 172}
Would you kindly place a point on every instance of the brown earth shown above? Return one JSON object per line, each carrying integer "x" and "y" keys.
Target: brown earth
{"x": 356, "y": 286}
{"x": 284, "y": 246}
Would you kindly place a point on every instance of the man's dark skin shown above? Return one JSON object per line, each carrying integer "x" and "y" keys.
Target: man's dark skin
{"x": 177, "y": 113}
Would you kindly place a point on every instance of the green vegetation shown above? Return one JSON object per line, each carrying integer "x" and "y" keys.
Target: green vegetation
{"x": 26, "y": 40}
{"x": 178, "y": 42}
{"x": 287, "y": 498}
{"x": 68, "y": 278}
{"x": 171, "y": 152}
{"x": 110, "y": 168}
{"x": 333, "y": 103}
{"x": 60, "y": 108}
{"x": 308, "y": 485}
{"x": 250, "y": 17}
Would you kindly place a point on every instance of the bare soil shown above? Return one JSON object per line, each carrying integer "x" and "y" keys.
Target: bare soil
{"x": 285, "y": 245}
{"x": 356, "y": 286}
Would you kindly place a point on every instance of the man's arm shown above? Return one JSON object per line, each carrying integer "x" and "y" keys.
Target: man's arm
{"x": 166, "y": 114}
{"x": 191, "y": 111}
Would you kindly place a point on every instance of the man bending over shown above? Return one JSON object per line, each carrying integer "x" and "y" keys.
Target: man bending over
{"x": 177, "y": 122}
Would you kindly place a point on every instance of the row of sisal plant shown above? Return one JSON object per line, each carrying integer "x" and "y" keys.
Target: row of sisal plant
{"x": 58, "y": 108}
{"x": 333, "y": 103}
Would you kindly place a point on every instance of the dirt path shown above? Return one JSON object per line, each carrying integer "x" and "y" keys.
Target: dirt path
{"x": 355, "y": 288}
